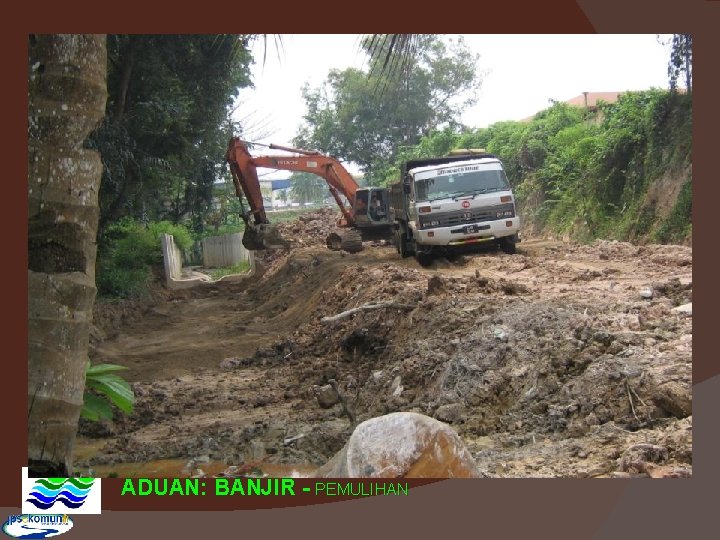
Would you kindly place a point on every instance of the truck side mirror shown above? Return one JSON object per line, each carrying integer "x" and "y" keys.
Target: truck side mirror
{"x": 406, "y": 188}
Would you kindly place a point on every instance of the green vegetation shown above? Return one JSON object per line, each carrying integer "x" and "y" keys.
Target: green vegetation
{"x": 275, "y": 216}
{"x": 221, "y": 230}
{"x": 162, "y": 142}
{"x": 167, "y": 123}
{"x": 131, "y": 254}
{"x": 680, "y": 63}
{"x": 365, "y": 119}
{"x": 587, "y": 174}
{"x": 677, "y": 226}
{"x": 308, "y": 188}
{"x": 281, "y": 216}
{"x": 130, "y": 251}
{"x": 239, "y": 268}
{"x": 103, "y": 388}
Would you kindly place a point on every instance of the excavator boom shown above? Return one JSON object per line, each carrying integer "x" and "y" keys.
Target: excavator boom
{"x": 352, "y": 200}
{"x": 331, "y": 170}
{"x": 243, "y": 168}
{"x": 259, "y": 233}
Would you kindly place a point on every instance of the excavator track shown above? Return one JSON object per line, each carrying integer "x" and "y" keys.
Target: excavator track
{"x": 350, "y": 241}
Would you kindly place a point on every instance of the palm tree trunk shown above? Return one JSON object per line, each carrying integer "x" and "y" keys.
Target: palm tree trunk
{"x": 67, "y": 95}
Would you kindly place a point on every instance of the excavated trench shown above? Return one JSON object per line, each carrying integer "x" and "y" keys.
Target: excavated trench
{"x": 552, "y": 362}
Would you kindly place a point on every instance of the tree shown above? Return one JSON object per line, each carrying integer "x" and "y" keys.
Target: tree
{"x": 166, "y": 125}
{"x": 680, "y": 62}
{"x": 365, "y": 118}
{"x": 67, "y": 98}
{"x": 67, "y": 95}
{"x": 307, "y": 187}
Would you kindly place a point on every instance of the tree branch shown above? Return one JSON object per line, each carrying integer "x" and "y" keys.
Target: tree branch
{"x": 364, "y": 307}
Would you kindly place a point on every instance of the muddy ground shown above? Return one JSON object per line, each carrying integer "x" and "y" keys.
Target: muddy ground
{"x": 560, "y": 361}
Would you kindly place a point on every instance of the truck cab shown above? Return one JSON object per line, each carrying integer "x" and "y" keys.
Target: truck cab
{"x": 452, "y": 204}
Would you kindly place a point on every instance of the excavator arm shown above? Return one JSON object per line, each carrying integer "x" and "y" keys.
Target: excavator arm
{"x": 245, "y": 179}
{"x": 259, "y": 234}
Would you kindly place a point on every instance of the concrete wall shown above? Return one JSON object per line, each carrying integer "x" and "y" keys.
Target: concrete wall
{"x": 218, "y": 251}
{"x": 224, "y": 251}
{"x": 172, "y": 257}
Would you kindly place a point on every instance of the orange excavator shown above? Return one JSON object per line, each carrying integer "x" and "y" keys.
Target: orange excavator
{"x": 365, "y": 213}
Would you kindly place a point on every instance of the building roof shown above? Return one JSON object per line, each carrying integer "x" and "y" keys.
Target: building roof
{"x": 590, "y": 99}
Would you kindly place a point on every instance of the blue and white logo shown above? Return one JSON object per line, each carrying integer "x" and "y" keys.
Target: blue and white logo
{"x": 60, "y": 495}
{"x": 37, "y": 526}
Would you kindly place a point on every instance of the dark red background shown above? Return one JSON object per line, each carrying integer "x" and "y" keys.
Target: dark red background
{"x": 497, "y": 508}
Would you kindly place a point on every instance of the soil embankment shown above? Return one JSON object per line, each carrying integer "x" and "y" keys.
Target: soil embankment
{"x": 563, "y": 360}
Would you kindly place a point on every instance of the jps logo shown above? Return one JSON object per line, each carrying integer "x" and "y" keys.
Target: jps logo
{"x": 60, "y": 495}
{"x": 37, "y": 526}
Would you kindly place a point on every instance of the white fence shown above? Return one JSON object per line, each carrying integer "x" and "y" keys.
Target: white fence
{"x": 224, "y": 251}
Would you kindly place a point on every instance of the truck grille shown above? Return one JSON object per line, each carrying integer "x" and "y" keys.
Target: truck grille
{"x": 465, "y": 217}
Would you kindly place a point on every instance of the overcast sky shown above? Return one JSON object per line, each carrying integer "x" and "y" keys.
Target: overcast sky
{"x": 521, "y": 74}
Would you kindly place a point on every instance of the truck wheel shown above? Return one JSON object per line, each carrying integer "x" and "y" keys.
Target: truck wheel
{"x": 423, "y": 259}
{"x": 507, "y": 244}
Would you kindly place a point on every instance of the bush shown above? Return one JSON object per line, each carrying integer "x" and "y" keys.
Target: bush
{"x": 183, "y": 237}
{"x": 116, "y": 282}
{"x": 588, "y": 176}
{"x": 130, "y": 250}
{"x": 678, "y": 225}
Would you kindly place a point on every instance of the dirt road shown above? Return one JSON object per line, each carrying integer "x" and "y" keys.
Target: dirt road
{"x": 561, "y": 360}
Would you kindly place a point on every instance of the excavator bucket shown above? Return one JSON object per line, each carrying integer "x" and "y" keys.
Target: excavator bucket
{"x": 263, "y": 236}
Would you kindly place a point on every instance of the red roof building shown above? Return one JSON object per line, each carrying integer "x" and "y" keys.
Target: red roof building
{"x": 590, "y": 99}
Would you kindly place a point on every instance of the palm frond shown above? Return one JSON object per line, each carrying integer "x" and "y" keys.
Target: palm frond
{"x": 279, "y": 46}
{"x": 391, "y": 56}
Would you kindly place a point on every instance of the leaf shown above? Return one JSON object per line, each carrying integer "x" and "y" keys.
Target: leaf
{"x": 95, "y": 408}
{"x": 116, "y": 389}
{"x": 101, "y": 369}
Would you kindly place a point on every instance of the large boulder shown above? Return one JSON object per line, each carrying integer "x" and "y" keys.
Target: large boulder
{"x": 402, "y": 444}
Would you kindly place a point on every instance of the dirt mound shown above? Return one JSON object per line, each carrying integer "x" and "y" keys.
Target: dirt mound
{"x": 552, "y": 362}
{"x": 309, "y": 230}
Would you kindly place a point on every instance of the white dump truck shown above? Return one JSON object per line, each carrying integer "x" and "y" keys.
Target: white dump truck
{"x": 453, "y": 204}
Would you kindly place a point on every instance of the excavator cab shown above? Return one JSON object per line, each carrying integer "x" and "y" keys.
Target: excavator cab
{"x": 371, "y": 206}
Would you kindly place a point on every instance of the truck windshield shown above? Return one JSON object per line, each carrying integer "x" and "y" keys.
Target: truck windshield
{"x": 458, "y": 184}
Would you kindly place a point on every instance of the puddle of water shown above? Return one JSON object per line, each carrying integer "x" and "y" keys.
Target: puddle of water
{"x": 87, "y": 448}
